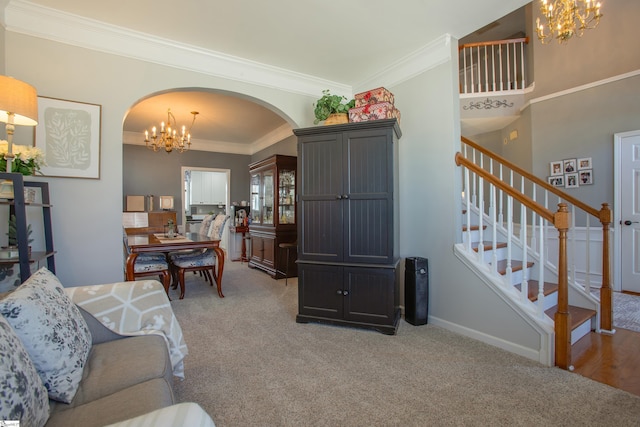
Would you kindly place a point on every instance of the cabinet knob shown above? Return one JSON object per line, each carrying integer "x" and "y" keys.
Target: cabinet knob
{"x": 345, "y": 293}
{"x": 338, "y": 197}
{"x": 345, "y": 196}
{"x": 339, "y": 291}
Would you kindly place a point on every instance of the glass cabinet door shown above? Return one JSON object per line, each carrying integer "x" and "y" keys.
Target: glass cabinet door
{"x": 255, "y": 198}
{"x": 267, "y": 197}
{"x": 287, "y": 197}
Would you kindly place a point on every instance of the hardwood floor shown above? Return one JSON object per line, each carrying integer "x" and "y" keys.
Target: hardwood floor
{"x": 610, "y": 359}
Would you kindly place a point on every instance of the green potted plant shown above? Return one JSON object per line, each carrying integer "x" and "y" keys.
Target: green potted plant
{"x": 332, "y": 104}
{"x": 13, "y": 233}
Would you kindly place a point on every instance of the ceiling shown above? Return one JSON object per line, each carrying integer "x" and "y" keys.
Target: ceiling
{"x": 346, "y": 43}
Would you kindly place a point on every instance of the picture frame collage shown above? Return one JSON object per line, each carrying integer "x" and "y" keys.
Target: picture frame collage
{"x": 571, "y": 173}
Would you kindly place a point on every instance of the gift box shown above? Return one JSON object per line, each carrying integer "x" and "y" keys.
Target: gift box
{"x": 374, "y": 96}
{"x": 382, "y": 110}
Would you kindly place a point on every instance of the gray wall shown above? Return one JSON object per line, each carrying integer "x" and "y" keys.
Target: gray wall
{"x": 159, "y": 174}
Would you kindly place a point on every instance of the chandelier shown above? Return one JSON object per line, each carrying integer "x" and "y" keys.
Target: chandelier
{"x": 169, "y": 139}
{"x": 567, "y": 18}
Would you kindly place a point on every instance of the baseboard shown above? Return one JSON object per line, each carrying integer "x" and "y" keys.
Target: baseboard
{"x": 494, "y": 341}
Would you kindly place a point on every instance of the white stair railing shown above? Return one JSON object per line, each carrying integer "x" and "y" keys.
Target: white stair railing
{"x": 566, "y": 263}
{"x": 492, "y": 66}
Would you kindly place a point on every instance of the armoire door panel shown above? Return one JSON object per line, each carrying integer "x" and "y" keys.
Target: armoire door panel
{"x": 320, "y": 291}
{"x": 321, "y": 230}
{"x": 368, "y": 234}
{"x": 370, "y": 290}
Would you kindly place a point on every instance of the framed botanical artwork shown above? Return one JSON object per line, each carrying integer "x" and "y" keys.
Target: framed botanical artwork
{"x": 569, "y": 165}
{"x": 556, "y": 181}
{"x": 586, "y": 177}
{"x": 571, "y": 180}
{"x": 585, "y": 163}
{"x": 68, "y": 133}
{"x": 555, "y": 168}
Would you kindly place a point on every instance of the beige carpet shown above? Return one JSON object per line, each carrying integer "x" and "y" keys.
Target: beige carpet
{"x": 251, "y": 364}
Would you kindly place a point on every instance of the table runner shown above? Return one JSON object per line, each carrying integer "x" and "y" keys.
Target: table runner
{"x": 135, "y": 308}
{"x": 177, "y": 239}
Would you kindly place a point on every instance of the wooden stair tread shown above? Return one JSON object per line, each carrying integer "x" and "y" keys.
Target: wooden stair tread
{"x": 516, "y": 265}
{"x": 488, "y": 246}
{"x": 474, "y": 227}
{"x": 548, "y": 289}
{"x": 579, "y": 315}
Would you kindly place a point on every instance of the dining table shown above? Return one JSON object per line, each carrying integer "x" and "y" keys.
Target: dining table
{"x": 144, "y": 241}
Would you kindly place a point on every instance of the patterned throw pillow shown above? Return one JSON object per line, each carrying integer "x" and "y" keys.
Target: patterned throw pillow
{"x": 23, "y": 396}
{"x": 52, "y": 330}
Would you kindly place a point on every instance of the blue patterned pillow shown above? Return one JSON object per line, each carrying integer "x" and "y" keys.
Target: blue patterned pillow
{"x": 52, "y": 330}
{"x": 23, "y": 396}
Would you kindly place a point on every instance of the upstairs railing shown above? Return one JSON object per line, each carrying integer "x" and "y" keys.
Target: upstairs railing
{"x": 521, "y": 206}
{"x": 492, "y": 66}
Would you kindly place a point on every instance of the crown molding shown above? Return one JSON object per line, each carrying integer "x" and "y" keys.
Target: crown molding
{"x": 34, "y": 20}
{"x": 427, "y": 57}
{"x": 273, "y": 137}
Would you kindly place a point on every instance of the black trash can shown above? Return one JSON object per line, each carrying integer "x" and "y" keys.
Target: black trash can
{"x": 416, "y": 290}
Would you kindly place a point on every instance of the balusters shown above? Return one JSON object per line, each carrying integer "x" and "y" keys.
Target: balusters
{"x": 541, "y": 272}
{"x": 509, "y": 240}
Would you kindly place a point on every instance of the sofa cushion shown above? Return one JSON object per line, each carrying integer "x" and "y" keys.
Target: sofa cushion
{"x": 180, "y": 414}
{"x": 116, "y": 365}
{"x": 23, "y": 396}
{"x": 52, "y": 330}
{"x": 131, "y": 402}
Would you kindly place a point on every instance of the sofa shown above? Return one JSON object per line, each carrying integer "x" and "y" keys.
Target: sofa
{"x": 66, "y": 360}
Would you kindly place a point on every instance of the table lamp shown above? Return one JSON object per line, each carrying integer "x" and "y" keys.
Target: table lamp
{"x": 18, "y": 106}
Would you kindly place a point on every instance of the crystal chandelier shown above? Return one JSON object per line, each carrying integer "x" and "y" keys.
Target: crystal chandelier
{"x": 169, "y": 139}
{"x": 567, "y": 18}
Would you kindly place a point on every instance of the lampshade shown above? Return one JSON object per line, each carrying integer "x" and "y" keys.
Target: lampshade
{"x": 19, "y": 98}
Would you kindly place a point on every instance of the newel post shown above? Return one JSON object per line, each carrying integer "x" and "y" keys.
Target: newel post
{"x": 606, "y": 302}
{"x": 562, "y": 318}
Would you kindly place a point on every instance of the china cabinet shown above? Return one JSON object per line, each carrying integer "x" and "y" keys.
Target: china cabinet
{"x": 273, "y": 214}
{"x": 18, "y": 207}
{"x": 348, "y": 225}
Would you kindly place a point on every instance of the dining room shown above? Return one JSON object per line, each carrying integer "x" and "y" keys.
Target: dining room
{"x": 207, "y": 176}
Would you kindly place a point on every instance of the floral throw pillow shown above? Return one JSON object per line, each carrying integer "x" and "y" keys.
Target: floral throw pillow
{"x": 23, "y": 395}
{"x": 52, "y": 330}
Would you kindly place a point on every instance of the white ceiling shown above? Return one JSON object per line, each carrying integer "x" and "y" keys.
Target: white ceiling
{"x": 345, "y": 43}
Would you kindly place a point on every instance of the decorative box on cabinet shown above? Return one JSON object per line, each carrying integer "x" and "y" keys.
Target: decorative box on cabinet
{"x": 348, "y": 225}
{"x": 273, "y": 214}
{"x": 18, "y": 207}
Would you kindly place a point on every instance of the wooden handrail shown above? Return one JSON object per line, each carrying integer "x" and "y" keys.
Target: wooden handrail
{"x": 491, "y": 43}
{"x": 522, "y": 198}
{"x": 533, "y": 178}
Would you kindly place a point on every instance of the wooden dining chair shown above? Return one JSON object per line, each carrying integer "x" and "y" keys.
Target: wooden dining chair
{"x": 149, "y": 265}
{"x": 204, "y": 261}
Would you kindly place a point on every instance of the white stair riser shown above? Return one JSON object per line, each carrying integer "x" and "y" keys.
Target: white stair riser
{"x": 581, "y": 331}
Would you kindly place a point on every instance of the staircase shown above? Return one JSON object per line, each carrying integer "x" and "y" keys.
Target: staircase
{"x": 537, "y": 260}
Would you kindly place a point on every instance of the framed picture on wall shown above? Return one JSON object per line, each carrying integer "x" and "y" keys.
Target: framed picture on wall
{"x": 569, "y": 166}
{"x": 586, "y": 176}
{"x": 68, "y": 133}
{"x": 571, "y": 180}
{"x": 556, "y": 181}
{"x": 555, "y": 168}
{"x": 584, "y": 163}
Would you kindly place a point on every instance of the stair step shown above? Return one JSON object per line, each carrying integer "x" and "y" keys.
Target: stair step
{"x": 516, "y": 265}
{"x": 474, "y": 227}
{"x": 488, "y": 246}
{"x": 579, "y": 315}
{"x": 548, "y": 289}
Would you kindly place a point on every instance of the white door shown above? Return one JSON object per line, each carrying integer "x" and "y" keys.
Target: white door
{"x": 627, "y": 147}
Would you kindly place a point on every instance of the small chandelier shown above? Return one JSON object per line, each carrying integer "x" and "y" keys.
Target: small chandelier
{"x": 169, "y": 139}
{"x": 567, "y": 18}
